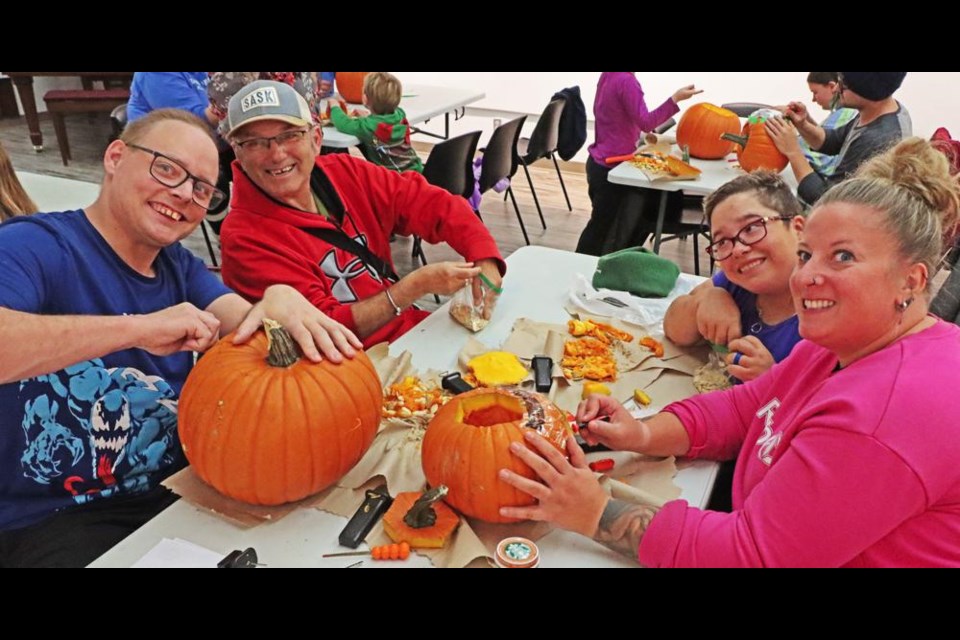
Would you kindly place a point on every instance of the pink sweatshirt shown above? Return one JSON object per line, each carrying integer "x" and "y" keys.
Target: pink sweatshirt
{"x": 856, "y": 467}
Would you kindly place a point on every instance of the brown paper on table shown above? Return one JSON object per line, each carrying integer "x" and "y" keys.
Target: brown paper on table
{"x": 462, "y": 548}
{"x": 394, "y": 458}
{"x": 188, "y": 485}
{"x": 671, "y": 386}
{"x": 637, "y": 366}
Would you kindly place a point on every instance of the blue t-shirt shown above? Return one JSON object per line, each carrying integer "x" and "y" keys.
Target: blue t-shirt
{"x": 151, "y": 90}
{"x": 103, "y": 427}
{"x": 779, "y": 338}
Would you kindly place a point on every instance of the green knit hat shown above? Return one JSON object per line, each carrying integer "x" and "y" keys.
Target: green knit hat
{"x": 637, "y": 270}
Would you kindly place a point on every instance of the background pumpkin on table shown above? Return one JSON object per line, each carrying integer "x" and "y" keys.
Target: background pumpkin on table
{"x": 755, "y": 149}
{"x": 350, "y": 85}
{"x": 701, "y": 130}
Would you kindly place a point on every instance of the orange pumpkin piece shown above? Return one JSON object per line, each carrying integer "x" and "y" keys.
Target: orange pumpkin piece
{"x": 269, "y": 431}
{"x": 433, "y": 537}
{"x": 653, "y": 345}
{"x": 468, "y": 442}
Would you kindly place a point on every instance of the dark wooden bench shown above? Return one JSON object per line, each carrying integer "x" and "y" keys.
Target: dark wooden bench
{"x": 61, "y": 102}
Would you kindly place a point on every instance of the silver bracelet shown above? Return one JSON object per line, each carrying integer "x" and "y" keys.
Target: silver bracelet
{"x": 396, "y": 308}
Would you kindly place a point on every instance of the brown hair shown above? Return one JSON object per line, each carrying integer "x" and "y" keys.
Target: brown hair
{"x": 770, "y": 190}
{"x": 823, "y": 77}
{"x": 14, "y": 201}
{"x": 138, "y": 129}
{"x": 383, "y": 91}
{"x": 911, "y": 185}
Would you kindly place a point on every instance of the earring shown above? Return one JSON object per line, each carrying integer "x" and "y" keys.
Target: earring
{"x": 902, "y": 306}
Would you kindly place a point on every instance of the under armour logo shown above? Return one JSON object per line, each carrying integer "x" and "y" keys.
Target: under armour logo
{"x": 341, "y": 276}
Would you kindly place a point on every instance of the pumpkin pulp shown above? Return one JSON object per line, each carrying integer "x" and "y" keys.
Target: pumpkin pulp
{"x": 487, "y": 411}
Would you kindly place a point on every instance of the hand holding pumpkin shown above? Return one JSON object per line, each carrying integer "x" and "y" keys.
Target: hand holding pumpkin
{"x": 312, "y": 329}
{"x": 179, "y": 328}
{"x": 718, "y": 316}
{"x": 569, "y": 496}
{"x": 754, "y": 359}
{"x": 784, "y": 136}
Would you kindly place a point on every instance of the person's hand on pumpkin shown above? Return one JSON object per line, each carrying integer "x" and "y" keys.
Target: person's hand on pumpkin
{"x": 685, "y": 93}
{"x": 796, "y": 113}
{"x": 718, "y": 316}
{"x": 569, "y": 495}
{"x": 443, "y": 278}
{"x": 608, "y": 423}
{"x": 784, "y": 136}
{"x": 182, "y": 327}
{"x": 748, "y": 358}
{"x": 312, "y": 329}
{"x": 491, "y": 271}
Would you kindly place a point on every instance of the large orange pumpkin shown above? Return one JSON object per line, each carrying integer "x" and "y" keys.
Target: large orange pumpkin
{"x": 468, "y": 442}
{"x": 350, "y": 85}
{"x": 755, "y": 149}
{"x": 269, "y": 432}
{"x": 701, "y": 128}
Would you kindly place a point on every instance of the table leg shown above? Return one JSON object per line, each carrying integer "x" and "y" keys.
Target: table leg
{"x": 24, "y": 86}
{"x": 661, "y": 214}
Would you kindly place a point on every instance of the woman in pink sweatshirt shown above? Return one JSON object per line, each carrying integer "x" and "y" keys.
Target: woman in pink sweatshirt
{"x": 847, "y": 450}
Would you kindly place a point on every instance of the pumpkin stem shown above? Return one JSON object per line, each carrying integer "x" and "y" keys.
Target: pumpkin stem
{"x": 283, "y": 351}
{"x": 732, "y": 137}
{"x": 422, "y": 513}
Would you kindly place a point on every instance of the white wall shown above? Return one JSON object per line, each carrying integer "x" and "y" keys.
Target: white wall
{"x": 932, "y": 98}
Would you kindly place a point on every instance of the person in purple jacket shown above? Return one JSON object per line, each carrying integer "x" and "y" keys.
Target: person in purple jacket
{"x": 846, "y": 450}
{"x": 620, "y": 114}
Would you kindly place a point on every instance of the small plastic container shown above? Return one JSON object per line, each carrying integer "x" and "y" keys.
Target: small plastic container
{"x": 517, "y": 553}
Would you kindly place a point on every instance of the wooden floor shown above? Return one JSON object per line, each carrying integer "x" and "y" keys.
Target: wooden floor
{"x": 89, "y": 136}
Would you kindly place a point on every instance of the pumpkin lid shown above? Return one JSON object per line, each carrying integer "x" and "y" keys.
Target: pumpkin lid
{"x": 517, "y": 553}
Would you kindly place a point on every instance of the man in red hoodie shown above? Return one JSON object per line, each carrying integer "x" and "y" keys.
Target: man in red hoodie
{"x": 322, "y": 224}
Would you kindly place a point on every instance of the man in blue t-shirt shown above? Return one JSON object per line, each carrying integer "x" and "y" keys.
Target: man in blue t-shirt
{"x": 100, "y": 310}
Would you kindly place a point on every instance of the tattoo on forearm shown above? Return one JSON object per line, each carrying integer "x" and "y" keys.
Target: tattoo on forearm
{"x": 623, "y": 524}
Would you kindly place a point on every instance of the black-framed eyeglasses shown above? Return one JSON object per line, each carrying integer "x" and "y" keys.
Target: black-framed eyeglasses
{"x": 752, "y": 233}
{"x": 284, "y": 139}
{"x": 171, "y": 173}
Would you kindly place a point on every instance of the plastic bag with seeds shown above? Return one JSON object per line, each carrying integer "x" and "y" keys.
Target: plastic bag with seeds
{"x": 713, "y": 376}
{"x": 472, "y": 306}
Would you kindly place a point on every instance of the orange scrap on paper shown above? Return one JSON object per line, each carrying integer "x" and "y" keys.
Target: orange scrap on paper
{"x": 588, "y": 358}
{"x": 605, "y": 333}
{"x": 653, "y": 345}
{"x": 411, "y": 397}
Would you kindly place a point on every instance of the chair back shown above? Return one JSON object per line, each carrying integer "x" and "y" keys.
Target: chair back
{"x": 450, "y": 165}
{"x": 546, "y": 134}
{"x": 946, "y": 304}
{"x": 666, "y": 126}
{"x": 500, "y": 155}
{"x": 118, "y": 118}
{"x": 744, "y": 109}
